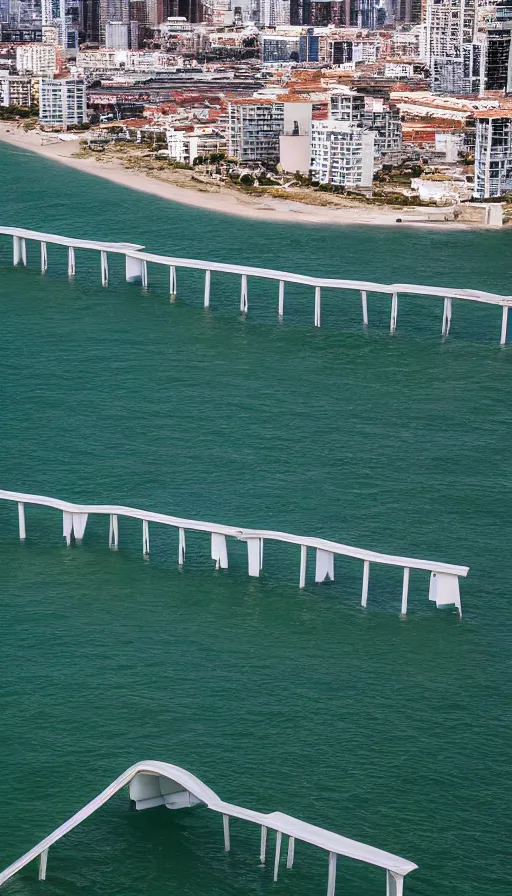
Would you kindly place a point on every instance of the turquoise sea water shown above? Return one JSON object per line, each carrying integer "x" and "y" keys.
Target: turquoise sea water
{"x": 397, "y": 733}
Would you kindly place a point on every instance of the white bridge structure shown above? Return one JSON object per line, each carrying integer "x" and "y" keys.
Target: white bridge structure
{"x": 162, "y": 784}
{"x": 136, "y": 268}
{"x": 444, "y": 577}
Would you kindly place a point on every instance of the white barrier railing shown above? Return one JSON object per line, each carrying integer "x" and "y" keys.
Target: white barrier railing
{"x": 136, "y": 266}
{"x": 444, "y": 577}
{"x": 154, "y": 783}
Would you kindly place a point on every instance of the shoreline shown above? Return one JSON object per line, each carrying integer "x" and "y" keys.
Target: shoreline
{"x": 256, "y": 208}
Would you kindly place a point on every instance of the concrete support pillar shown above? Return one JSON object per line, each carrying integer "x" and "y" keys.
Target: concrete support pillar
{"x": 366, "y": 577}
{"x": 172, "y": 282}
{"x": 71, "y": 261}
{"x": 21, "y": 521}
{"x": 447, "y": 317}
{"x": 331, "y": 884}
{"x": 243, "y": 295}
{"x": 145, "y": 538}
{"x": 207, "y": 282}
{"x": 303, "y": 564}
{"x": 405, "y": 591}
{"x": 227, "y": 840}
{"x": 144, "y": 275}
{"x": 394, "y": 313}
{"x": 280, "y": 307}
{"x": 104, "y": 269}
{"x": 364, "y": 304}
{"x": 43, "y": 859}
{"x": 279, "y": 838}
{"x": 44, "y": 258}
{"x": 263, "y": 844}
{"x": 19, "y": 250}
{"x": 318, "y": 294}
{"x": 133, "y": 269}
{"x": 291, "y": 852}
{"x": 113, "y": 534}
{"x": 504, "y": 323}
{"x": 181, "y": 547}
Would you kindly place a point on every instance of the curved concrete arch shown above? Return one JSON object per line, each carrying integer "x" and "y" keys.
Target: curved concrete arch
{"x": 154, "y": 783}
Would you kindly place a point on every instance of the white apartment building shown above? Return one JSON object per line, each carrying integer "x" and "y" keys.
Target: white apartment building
{"x": 96, "y": 60}
{"x": 371, "y": 113}
{"x": 15, "y": 90}
{"x": 346, "y": 105}
{"x": 62, "y": 102}
{"x": 254, "y": 128}
{"x": 493, "y": 154}
{"x": 366, "y": 51}
{"x": 450, "y": 25}
{"x": 127, "y": 60}
{"x": 117, "y": 35}
{"x": 274, "y": 12}
{"x": 36, "y": 59}
{"x": 144, "y": 60}
{"x": 408, "y": 44}
{"x": 342, "y": 154}
{"x": 55, "y": 18}
{"x": 397, "y": 69}
{"x": 185, "y": 146}
{"x": 218, "y": 12}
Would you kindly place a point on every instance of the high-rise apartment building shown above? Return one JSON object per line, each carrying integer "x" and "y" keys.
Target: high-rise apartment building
{"x": 408, "y": 11}
{"x": 53, "y": 14}
{"x": 493, "y": 154}
{"x": 498, "y": 56}
{"x": 112, "y": 11}
{"x": 91, "y": 21}
{"x": 62, "y": 102}
{"x": 192, "y": 10}
{"x": 117, "y": 36}
{"x": 342, "y": 154}
{"x": 254, "y": 128}
{"x": 322, "y": 13}
{"x": 369, "y": 113}
{"x": 450, "y": 25}
{"x": 461, "y": 74}
{"x": 274, "y": 12}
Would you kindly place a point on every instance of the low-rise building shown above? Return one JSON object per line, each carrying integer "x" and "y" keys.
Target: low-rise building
{"x": 15, "y": 90}
{"x": 346, "y": 105}
{"x": 36, "y": 59}
{"x": 398, "y": 69}
{"x": 186, "y": 146}
{"x": 62, "y": 102}
{"x": 277, "y": 48}
{"x": 96, "y": 60}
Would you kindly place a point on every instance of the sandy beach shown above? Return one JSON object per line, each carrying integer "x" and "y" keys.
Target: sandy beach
{"x": 224, "y": 201}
